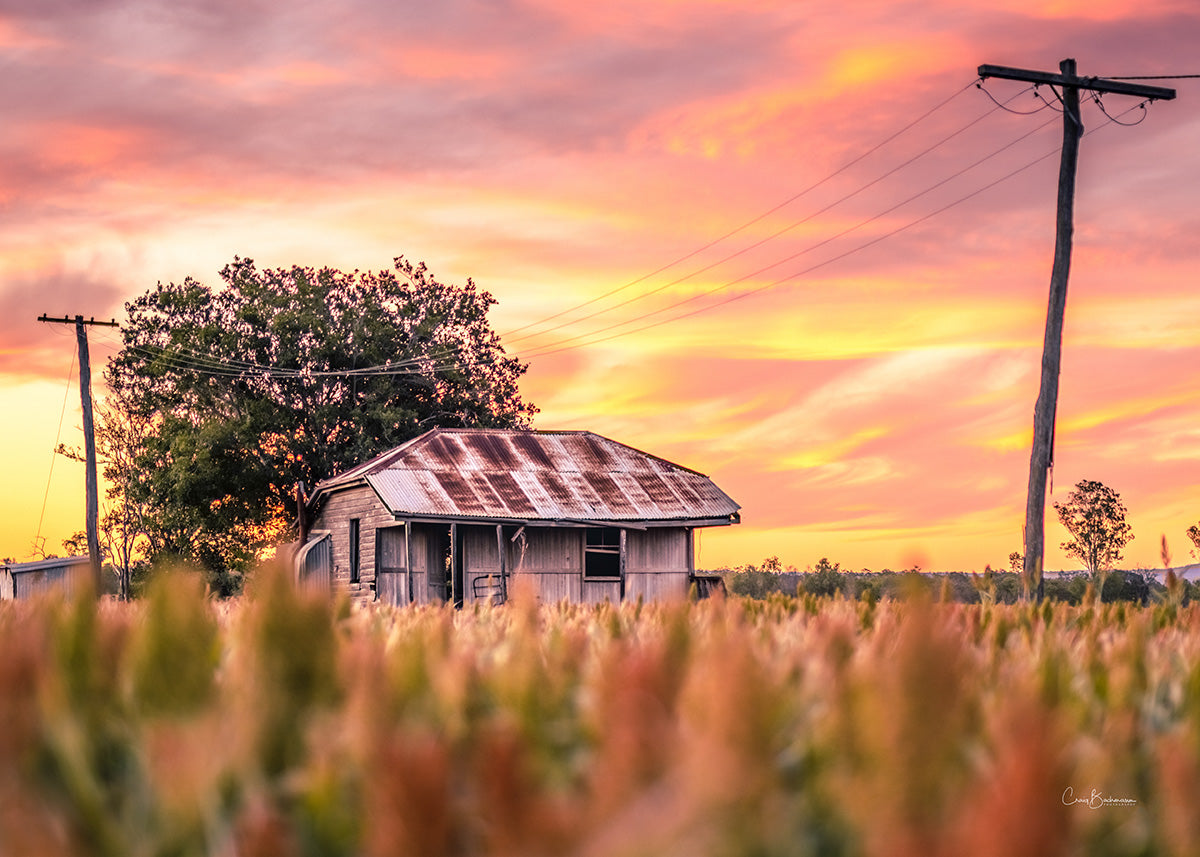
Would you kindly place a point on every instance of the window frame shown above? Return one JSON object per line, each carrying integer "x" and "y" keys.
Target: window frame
{"x": 605, "y": 552}
{"x": 355, "y": 549}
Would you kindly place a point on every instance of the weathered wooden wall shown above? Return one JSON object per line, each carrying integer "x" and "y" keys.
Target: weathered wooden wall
{"x": 599, "y": 591}
{"x": 391, "y": 565}
{"x": 362, "y": 503}
{"x": 657, "y": 564}
{"x": 553, "y": 563}
{"x": 550, "y": 559}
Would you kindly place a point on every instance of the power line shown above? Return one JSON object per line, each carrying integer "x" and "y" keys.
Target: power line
{"x": 808, "y": 249}
{"x": 779, "y": 232}
{"x": 177, "y": 356}
{"x": 233, "y": 368}
{"x": 54, "y": 455}
{"x": 782, "y": 280}
{"x": 1152, "y": 77}
{"x": 737, "y": 230}
{"x": 1003, "y": 105}
{"x": 1100, "y": 103}
{"x": 876, "y": 240}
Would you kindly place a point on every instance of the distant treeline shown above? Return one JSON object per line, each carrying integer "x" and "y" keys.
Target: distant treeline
{"x": 991, "y": 586}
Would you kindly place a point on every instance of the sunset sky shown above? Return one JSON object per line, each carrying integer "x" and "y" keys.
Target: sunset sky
{"x": 862, "y": 237}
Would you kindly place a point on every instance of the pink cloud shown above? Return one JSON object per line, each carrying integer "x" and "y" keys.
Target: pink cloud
{"x": 37, "y": 350}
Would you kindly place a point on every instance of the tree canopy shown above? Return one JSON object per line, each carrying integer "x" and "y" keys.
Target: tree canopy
{"x": 1094, "y": 517}
{"x": 293, "y": 374}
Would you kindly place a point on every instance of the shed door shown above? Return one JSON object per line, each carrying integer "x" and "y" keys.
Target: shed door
{"x": 391, "y": 571}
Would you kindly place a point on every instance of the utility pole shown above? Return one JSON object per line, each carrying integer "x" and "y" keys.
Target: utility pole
{"x": 89, "y": 436}
{"x": 1041, "y": 458}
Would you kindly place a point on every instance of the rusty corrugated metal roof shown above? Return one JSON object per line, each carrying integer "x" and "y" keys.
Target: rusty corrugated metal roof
{"x": 535, "y": 475}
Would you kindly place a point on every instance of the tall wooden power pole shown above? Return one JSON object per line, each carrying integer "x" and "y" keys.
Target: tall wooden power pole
{"x": 1042, "y": 456}
{"x": 89, "y": 437}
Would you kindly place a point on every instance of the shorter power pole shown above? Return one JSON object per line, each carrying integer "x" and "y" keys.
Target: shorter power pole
{"x": 89, "y": 436}
{"x": 1042, "y": 455}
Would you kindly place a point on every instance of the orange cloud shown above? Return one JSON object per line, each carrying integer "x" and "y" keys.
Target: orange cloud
{"x": 446, "y": 62}
{"x": 881, "y": 63}
{"x": 1140, "y": 407}
{"x": 1096, "y": 10}
{"x": 13, "y": 37}
{"x": 308, "y": 74}
{"x": 740, "y": 124}
{"x": 113, "y": 149}
{"x": 736, "y": 125}
{"x": 1073, "y": 425}
{"x": 837, "y": 451}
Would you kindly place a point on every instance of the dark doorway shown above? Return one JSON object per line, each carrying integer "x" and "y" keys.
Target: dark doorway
{"x": 439, "y": 565}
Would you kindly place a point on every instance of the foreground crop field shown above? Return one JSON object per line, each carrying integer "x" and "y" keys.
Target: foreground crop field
{"x": 285, "y": 725}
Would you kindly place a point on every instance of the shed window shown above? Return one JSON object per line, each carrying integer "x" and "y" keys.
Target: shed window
{"x": 354, "y": 540}
{"x": 602, "y": 553}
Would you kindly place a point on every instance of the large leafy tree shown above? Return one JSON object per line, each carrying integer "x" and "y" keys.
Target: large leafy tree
{"x": 293, "y": 374}
{"x": 1094, "y": 517}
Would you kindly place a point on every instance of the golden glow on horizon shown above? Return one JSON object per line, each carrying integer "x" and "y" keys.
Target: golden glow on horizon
{"x": 29, "y": 452}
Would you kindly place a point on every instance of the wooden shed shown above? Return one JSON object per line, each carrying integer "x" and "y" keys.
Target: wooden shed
{"x": 456, "y": 515}
{"x": 21, "y": 580}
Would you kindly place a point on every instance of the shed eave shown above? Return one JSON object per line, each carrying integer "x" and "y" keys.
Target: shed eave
{"x": 43, "y": 564}
{"x": 324, "y": 489}
{"x": 630, "y": 524}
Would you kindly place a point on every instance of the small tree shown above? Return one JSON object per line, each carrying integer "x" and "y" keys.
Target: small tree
{"x": 124, "y": 538}
{"x": 1094, "y": 517}
{"x": 123, "y": 528}
{"x": 772, "y": 565}
{"x": 825, "y": 579}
